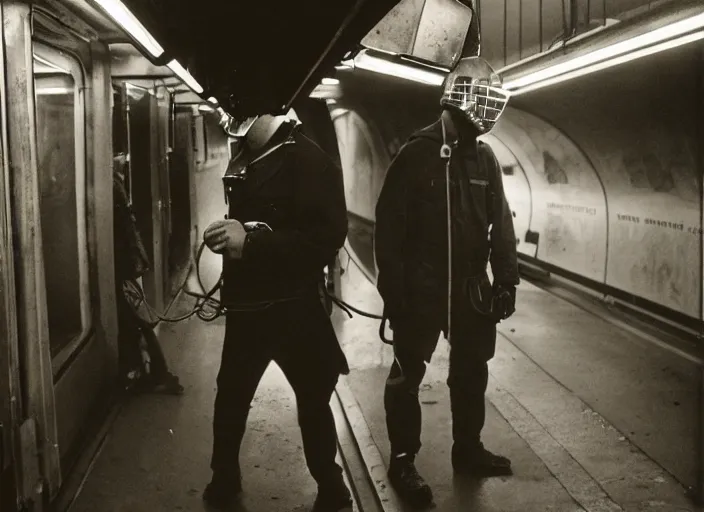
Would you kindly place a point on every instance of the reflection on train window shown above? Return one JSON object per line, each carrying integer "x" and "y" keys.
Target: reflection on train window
{"x": 61, "y": 163}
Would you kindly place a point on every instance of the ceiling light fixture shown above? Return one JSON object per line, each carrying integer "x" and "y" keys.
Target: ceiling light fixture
{"x": 185, "y": 76}
{"x": 645, "y": 44}
{"x": 121, "y": 15}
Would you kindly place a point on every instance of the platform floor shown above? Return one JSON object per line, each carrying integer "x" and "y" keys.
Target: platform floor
{"x": 587, "y": 411}
{"x": 592, "y": 418}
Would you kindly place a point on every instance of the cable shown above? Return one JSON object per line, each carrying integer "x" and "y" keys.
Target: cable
{"x": 384, "y": 319}
{"x": 208, "y": 308}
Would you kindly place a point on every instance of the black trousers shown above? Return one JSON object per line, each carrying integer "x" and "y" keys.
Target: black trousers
{"x": 300, "y": 338}
{"x": 472, "y": 345}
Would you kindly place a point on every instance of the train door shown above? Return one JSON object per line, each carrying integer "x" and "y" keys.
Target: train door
{"x": 62, "y": 364}
{"x": 120, "y": 128}
{"x": 163, "y": 169}
{"x": 9, "y": 363}
{"x": 182, "y": 186}
{"x": 145, "y": 194}
{"x": 78, "y": 358}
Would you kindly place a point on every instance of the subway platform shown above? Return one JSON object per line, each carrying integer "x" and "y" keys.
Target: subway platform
{"x": 593, "y": 416}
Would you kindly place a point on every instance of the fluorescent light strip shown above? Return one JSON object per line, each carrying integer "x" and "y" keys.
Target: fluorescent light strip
{"x": 630, "y": 45}
{"x": 674, "y": 43}
{"x": 185, "y": 76}
{"x": 329, "y": 81}
{"x": 130, "y": 24}
{"x": 377, "y": 65}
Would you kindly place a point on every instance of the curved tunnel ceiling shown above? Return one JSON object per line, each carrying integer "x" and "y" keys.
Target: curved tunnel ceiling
{"x": 256, "y": 57}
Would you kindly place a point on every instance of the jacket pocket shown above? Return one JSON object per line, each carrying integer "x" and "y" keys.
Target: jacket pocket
{"x": 480, "y": 293}
{"x": 479, "y": 192}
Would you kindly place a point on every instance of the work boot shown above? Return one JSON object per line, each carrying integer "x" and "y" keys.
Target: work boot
{"x": 333, "y": 497}
{"x": 408, "y": 483}
{"x": 222, "y": 491}
{"x": 479, "y": 462}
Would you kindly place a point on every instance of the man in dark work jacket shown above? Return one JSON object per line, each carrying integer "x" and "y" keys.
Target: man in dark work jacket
{"x": 411, "y": 247}
{"x": 271, "y": 290}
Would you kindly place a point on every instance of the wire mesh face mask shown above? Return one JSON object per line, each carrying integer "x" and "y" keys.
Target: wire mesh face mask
{"x": 475, "y": 89}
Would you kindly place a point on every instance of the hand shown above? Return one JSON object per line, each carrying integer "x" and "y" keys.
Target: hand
{"x": 503, "y": 304}
{"x": 226, "y": 237}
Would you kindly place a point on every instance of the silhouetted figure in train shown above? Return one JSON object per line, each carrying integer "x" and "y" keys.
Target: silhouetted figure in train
{"x": 131, "y": 262}
{"x": 287, "y": 219}
{"x": 414, "y": 229}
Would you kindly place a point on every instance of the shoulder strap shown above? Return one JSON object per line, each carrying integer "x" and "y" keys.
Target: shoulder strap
{"x": 449, "y": 135}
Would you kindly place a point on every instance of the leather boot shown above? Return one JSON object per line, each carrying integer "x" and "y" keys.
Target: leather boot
{"x": 408, "y": 483}
{"x": 479, "y": 462}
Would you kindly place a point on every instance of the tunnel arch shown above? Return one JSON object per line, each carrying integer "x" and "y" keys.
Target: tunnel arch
{"x": 363, "y": 154}
{"x": 568, "y": 205}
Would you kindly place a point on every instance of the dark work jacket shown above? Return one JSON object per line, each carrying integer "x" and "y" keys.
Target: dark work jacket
{"x": 297, "y": 190}
{"x": 411, "y": 223}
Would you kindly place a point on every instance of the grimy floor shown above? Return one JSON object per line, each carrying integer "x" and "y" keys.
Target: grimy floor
{"x": 583, "y": 409}
{"x": 593, "y": 417}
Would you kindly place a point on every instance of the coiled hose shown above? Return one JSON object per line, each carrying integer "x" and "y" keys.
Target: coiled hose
{"x": 209, "y": 308}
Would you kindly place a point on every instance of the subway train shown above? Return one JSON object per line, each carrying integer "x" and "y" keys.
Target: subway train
{"x": 603, "y": 177}
{"x": 66, "y": 114}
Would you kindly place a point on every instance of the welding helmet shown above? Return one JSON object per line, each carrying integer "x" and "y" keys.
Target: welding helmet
{"x": 474, "y": 88}
{"x": 239, "y": 128}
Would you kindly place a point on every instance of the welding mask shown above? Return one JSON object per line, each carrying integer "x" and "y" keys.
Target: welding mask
{"x": 475, "y": 89}
{"x": 238, "y": 128}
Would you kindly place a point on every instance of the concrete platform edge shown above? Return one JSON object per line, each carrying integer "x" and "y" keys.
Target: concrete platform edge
{"x": 373, "y": 461}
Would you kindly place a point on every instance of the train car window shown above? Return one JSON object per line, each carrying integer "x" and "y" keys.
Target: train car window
{"x": 60, "y": 120}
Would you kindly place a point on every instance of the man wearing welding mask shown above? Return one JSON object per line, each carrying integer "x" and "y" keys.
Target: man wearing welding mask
{"x": 287, "y": 219}
{"x": 441, "y": 218}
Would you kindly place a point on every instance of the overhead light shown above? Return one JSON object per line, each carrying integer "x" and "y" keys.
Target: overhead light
{"x": 629, "y": 49}
{"x": 130, "y": 24}
{"x": 365, "y": 61}
{"x": 667, "y": 45}
{"x": 185, "y": 76}
{"x": 330, "y": 81}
